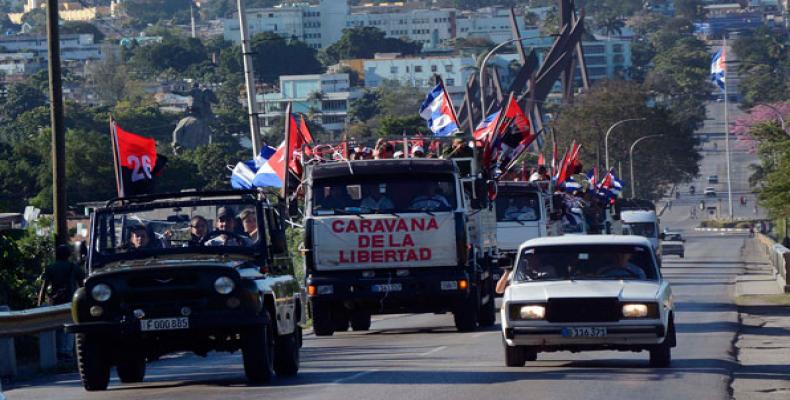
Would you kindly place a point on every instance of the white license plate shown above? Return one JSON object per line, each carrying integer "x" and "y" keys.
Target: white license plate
{"x": 449, "y": 285}
{"x": 591, "y": 332}
{"x": 164, "y": 324}
{"x": 387, "y": 287}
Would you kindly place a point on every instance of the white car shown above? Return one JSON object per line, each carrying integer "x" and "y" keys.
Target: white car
{"x": 579, "y": 293}
{"x": 710, "y": 191}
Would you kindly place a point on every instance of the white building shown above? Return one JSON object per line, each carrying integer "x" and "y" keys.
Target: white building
{"x": 15, "y": 66}
{"x": 325, "y": 97}
{"x": 492, "y": 23}
{"x": 430, "y": 27}
{"x": 73, "y": 47}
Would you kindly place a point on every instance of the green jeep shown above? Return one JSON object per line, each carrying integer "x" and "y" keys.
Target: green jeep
{"x": 199, "y": 272}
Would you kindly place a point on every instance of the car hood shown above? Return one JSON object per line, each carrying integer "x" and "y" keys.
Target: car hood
{"x": 542, "y": 291}
{"x": 162, "y": 263}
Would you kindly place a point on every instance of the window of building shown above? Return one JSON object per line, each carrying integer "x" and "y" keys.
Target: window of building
{"x": 448, "y": 68}
{"x": 434, "y": 68}
{"x": 393, "y": 70}
{"x": 450, "y": 82}
{"x": 597, "y": 71}
{"x": 417, "y": 68}
{"x": 595, "y": 49}
{"x": 617, "y": 48}
{"x": 618, "y": 58}
{"x": 407, "y": 69}
{"x": 595, "y": 60}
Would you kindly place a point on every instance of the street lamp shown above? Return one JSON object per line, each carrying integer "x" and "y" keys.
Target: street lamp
{"x": 606, "y": 137}
{"x": 485, "y": 61}
{"x": 631, "y": 158}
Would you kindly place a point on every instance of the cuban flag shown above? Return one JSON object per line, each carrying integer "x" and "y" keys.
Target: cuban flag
{"x": 610, "y": 185}
{"x": 257, "y": 172}
{"x": 486, "y": 127}
{"x": 718, "y": 68}
{"x": 438, "y": 111}
{"x": 272, "y": 171}
{"x": 570, "y": 185}
{"x": 592, "y": 177}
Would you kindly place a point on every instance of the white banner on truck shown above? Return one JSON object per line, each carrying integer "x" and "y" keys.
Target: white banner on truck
{"x": 384, "y": 241}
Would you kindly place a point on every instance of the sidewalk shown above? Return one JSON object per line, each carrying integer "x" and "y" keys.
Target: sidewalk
{"x": 763, "y": 343}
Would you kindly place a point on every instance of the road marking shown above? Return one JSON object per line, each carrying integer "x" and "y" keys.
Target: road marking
{"x": 438, "y": 349}
{"x": 355, "y": 376}
{"x": 480, "y": 334}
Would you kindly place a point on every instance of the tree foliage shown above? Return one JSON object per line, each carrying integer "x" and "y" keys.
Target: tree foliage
{"x": 177, "y": 53}
{"x": 82, "y": 27}
{"x": 365, "y": 42}
{"x": 764, "y": 66}
{"x": 141, "y": 13}
{"x": 273, "y": 56}
{"x": 23, "y": 256}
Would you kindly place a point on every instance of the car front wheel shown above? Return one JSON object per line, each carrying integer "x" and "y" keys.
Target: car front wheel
{"x": 661, "y": 355}
{"x": 514, "y": 355}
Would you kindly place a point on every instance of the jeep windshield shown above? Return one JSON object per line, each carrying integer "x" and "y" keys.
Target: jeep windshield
{"x": 585, "y": 262}
{"x": 384, "y": 194}
{"x": 517, "y": 206}
{"x": 158, "y": 229}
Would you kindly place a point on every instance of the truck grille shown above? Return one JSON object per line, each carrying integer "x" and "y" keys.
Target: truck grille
{"x": 605, "y": 309}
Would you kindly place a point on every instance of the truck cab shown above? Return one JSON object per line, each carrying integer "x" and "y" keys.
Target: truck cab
{"x": 641, "y": 223}
{"x": 397, "y": 236}
{"x": 523, "y": 212}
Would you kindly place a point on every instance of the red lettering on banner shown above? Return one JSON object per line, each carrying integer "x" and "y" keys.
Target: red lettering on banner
{"x": 389, "y": 256}
{"x": 407, "y": 241}
{"x": 364, "y": 226}
{"x": 425, "y": 254}
{"x": 402, "y": 225}
{"x": 432, "y": 224}
{"x": 363, "y": 241}
{"x": 378, "y": 241}
{"x": 342, "y": 259}
{"x": 352, "y": 227}
{"x": 378, "y": 227}
{"x": 390, "y": 223}
{"x": 418, "y": 224}
{"x": 377, "y": 256}
{"x": 337, "y": 226}
{"x": 363, "y": 257}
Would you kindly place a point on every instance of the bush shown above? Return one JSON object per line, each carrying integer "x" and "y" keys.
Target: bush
{"x": 23, "y": 257}
{"x": 726, "y": 224}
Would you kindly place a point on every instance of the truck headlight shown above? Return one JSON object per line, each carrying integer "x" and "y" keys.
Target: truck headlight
{"x": 634, "y": 310}
{"x": 101, "y": 292}
{"x": 224, "y": 285}
{"x": 532, "y": 312}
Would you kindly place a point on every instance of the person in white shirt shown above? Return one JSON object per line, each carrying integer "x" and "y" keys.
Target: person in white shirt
{"x": 519, "y": 210}
{"x": 430, "y": 200}
{"x": 375, "y": 200}
{"x": 226, "y": 222}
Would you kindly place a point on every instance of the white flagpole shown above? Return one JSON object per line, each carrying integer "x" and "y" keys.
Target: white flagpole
{"x": 727, "y": 130}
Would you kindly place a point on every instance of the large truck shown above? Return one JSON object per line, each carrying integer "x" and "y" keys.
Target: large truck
{"x": 524, "y": 211}
{"x": 397, "y": 236}
{"x": 639, "y": 218}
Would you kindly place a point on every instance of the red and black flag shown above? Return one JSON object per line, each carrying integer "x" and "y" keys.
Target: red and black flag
{"x": 136, "y": 162}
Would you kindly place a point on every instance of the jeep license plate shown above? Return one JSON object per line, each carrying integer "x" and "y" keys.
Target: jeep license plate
{"x": 164, "y": 324}
{"x": 387, "y": 287}
{"x": 582, "y": 332}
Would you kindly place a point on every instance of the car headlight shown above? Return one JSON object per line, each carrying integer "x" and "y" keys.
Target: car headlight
{"x": 635, "y": 310}
{"x": 224, "y": 285}
{"x": 532, "y": 312}
{"x": 101, "y": 292}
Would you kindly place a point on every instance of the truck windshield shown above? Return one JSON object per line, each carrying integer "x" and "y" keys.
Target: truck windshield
{"x": 384, "y": 194}
{"x": 157, "y": 229}
{"x": 646, "y": 229}
{"x": 515, "y": 206}
{"x": 585, "y": 262}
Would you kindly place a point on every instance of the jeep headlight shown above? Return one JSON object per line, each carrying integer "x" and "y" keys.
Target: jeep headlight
{"x": 634, "y": 310}
{"x": 532, "y": 312}
{"x": 224, "y": 285}
{"x": 101, "y": 292}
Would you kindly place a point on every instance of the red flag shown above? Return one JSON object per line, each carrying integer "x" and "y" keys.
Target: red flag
{"x": 135, "y": 161}
{"x": 541, "y": 160}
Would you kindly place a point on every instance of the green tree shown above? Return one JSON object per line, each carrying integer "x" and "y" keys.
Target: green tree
{"x": 141, "y": 13}
{"x": 365, "y": 107}
{"x": 764, "y": 66}
{"x": 273, "y": 56}
{"x": 689, "y": 9}
{"x": 176, "y": 53}
{"x": 365, "y": 42}
{"x": 21, "y": 97}
{"x": 395, "y": 126}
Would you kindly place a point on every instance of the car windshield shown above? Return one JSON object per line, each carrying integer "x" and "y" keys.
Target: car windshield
{"x": 384, "y": 194}
{"x": 585, "y": 262}
{"x": 515, "y": 206}
{"x": 153, "y": 229}
{"x": 646, "y": 229}
{"x": 673, "y": 237}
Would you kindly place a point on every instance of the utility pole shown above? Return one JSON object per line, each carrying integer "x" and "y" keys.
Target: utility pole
{"x": 249, "y": 80}
{"x": 727, "y": 131}
{"x": 192, "y": 18}
{"x": 58, "y": 130}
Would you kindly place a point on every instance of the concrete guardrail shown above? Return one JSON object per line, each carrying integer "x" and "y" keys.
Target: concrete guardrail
{"x": 42, "y": 321}
{"x": 779, "y": 257}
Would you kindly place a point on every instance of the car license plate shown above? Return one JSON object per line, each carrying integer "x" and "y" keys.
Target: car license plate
{"x": 164, "y": 324}
{"x": 386, "y": 287}
{"x": 583, "y": 332}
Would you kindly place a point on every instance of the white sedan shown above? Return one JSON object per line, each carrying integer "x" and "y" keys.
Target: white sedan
{"x": 579, "y": 293}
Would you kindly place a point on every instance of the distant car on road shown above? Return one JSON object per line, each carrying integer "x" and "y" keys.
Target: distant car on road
{"x": 710, "y": 191}
{"x": 672, "y": 243}
{"x": 580, "y": 293}
{"x": 713, "y": 179}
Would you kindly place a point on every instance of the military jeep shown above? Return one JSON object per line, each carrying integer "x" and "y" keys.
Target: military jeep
{"x": 195, "y": 272}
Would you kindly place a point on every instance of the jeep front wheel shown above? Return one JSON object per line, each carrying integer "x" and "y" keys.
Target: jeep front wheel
{"x": 93, "y": 362}
{"x": 257, "y": 350}
{"x": 286, "y": 354}
{"x": 131, "y": 366}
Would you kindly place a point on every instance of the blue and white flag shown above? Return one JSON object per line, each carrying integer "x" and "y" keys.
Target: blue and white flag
{"x": 256, "y": 173}
{"x": 570, "y": 185}
{"x": 718, "y": 68}
{"x": 438, "y": 111}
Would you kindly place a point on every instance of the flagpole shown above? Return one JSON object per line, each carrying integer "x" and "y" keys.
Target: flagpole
{"x": 288, "y": 155}
{"x": 727, "y": 130}
{"x": 249, "y": 81}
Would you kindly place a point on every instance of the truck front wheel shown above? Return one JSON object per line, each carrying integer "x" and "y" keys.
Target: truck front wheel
{"x": 323, "y": 325}
{"x": 466, "y": 315}
{"x": 360, "y": 320}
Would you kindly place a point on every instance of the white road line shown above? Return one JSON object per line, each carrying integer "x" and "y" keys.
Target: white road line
{"x": 355, "y": 376}
{"x": 436, "y": 350}
{"x": 480, "y": 334}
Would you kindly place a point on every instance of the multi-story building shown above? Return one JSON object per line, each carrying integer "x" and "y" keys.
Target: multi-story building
{"x": 324, "y": 97}
{"x": 76, "y": 47}
{"x": 492, "y": 23}
{"x": 15, "y": 66}
{"x": 430, "y": 27}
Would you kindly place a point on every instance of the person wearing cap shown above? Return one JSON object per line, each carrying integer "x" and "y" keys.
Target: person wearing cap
{"x": 418, "y": 152}
{"x": 250, "y": 224}
{"x": 224, "y": 224}
{"x": 398, "y": 154}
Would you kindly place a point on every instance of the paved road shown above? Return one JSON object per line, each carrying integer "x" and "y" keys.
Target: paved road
{"x": 422, "y": 357}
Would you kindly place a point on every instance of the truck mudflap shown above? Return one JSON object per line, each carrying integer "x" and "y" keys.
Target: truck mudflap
{"x": 393, "y": 291}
